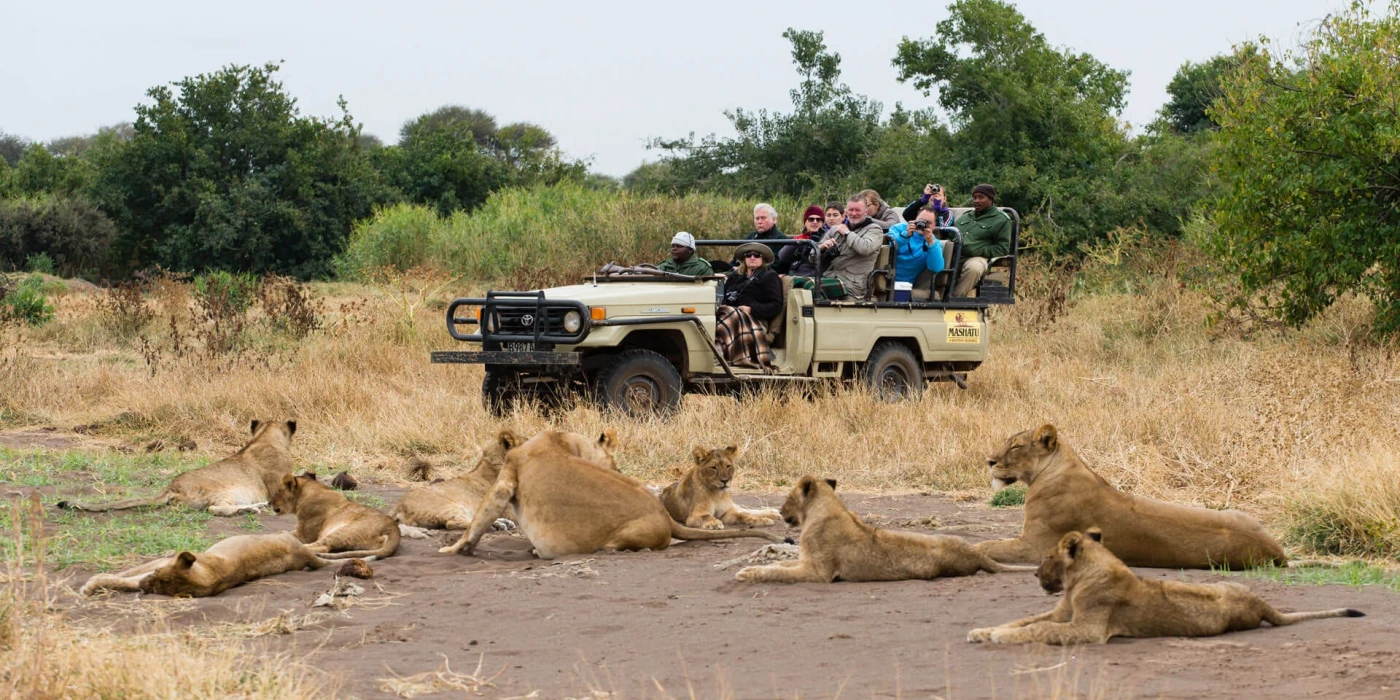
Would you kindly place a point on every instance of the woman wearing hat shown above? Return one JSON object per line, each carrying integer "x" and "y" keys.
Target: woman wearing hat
{"x": 753, "y": 293}
{"x": 794, "y": 259}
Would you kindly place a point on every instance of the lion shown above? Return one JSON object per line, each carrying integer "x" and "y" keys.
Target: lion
{"x": 837, "y": 546}
{"x": 241, "y": 483}
{"x": 231, "y": 562}
{"x": 332, "y": 525}
{"x": 1064, "y": 495}
{"x": 451, "y": 504}
{"x": 568, "y": 505}
{"x": 701, "y": 497}
{"x": 1104, "y": 599}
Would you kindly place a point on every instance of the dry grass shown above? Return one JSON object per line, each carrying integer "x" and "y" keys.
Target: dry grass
{"x": 1135, "y": 380}
{"x": 45, "y": 655}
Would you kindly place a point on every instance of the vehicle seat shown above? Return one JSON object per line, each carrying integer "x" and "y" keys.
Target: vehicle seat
{"x": 940, "y": 280}
{"x": 879, "y": 285}
{"x": 778, "y": 323}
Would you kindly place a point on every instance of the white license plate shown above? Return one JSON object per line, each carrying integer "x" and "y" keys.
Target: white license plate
{"x": 517, "y": 347}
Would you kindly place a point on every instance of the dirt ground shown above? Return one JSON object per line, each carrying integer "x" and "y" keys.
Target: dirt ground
{"x": 658, "y": 624}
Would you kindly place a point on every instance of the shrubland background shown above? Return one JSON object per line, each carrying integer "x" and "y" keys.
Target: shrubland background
{"x": 1205, "y": 310}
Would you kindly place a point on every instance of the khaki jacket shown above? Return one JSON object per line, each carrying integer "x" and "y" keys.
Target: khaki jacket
{"x": 856, "y": 255}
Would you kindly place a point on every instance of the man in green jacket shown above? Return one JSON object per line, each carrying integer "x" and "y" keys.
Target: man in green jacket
{"x": 683, "y": 258}
{"x": 986, "y": 232}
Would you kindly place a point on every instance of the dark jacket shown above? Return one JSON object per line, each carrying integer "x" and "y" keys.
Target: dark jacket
{"x": 763, "y": 292}
{"x": 772, "y": 234}
{"x": 945, "y": 215}
{"x": 985, "y": 235}
{"x": 796, "y": 260}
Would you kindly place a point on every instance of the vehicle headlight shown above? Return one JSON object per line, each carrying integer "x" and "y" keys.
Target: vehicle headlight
{"x": 572, "y": 322}
{"x": 488, "y": 321}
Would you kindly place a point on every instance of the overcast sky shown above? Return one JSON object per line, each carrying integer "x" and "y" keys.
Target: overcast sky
{"x": 603, "y": 77}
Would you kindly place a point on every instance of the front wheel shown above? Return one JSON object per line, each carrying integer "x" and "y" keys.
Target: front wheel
{"x": 640, "y": 383}
{"x": 893, "y": 372}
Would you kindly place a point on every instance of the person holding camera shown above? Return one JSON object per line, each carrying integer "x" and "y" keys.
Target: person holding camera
{"x": 936, "y": 197}
{"x": 753, "y": 297}
{"x": 918, "y": 256}
{"x": 796, "y": 260}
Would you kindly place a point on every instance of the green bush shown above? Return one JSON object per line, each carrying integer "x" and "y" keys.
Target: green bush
{"x": 1014, "y": 495}
{"x": 546, "y": 235}
{"x": 234, "y": 291}
{"x": 71, "y": 233}
{"x": 41, "y": 263}
{"x": 23, "y": 301}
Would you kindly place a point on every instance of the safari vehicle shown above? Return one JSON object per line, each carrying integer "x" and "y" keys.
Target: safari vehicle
{"x": 637, "y": 339}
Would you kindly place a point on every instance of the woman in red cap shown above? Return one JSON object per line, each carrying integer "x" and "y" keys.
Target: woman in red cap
{"x": 793, "y": 259}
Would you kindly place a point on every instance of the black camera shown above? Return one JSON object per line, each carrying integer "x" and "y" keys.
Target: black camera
{"x": 731, "y": 298}
{"x": 921, "y": 224}
{"x": 937, "y": 189}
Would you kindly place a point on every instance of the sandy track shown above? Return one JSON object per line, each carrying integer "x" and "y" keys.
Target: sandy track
{"x": 632, "y": 621}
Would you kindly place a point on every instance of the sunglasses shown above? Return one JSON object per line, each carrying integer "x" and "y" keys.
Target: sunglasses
{"x": 752, "y": 255}
{"x": 814, "y": 218}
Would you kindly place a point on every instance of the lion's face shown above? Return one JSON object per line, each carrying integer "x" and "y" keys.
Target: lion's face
{"x": 599, "y": 451}
{"x": 1021, "y": 456}
{"x": 715, "y": 468}
{"x": 807, "y": 490}
{"x": 493, "y": 454}
{"x": 183, "y": 577}
{"x": 1062, "y": 563}
{"x": 287, "y": 497}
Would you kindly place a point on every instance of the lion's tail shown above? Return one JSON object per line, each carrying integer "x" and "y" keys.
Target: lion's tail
{"x": 390, "y": 544}
{"x": 160, "y": 499}
{"x": 682, "y": 532}
{"x": 993, "y": 566}
{"x": 1279, "y": 619}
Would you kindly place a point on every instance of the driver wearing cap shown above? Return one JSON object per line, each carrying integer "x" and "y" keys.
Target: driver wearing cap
{"x": 683, "y": 259}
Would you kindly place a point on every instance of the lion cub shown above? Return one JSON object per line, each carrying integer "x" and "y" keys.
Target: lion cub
{"x": 837, "y": 546}
{"x": 241, "y": 483}
{"x": 1104, "y": 599}
{"x": 701, "y": 498}
{"x": 331, "y": 524}
{"x": 231, "y": 562}
{"x": 451, "y": 503}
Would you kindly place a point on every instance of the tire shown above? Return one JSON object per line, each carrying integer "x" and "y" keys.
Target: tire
{"x": 639, "y": 383}
{"x": 893, "y": 372}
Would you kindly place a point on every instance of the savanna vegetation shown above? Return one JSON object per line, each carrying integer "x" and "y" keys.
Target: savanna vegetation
{"x": 1206, "y": 310}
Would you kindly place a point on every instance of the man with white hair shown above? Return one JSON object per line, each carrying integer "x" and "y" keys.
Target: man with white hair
{"x": 683, "y": 259}
{"x": 765, "y": 226}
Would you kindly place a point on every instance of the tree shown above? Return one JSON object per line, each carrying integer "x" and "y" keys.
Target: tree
{"x": 12, "y": 148}
{"x": 223, "y": 172}
{"x": 455, "y": 119}
{"x": 821, "y": 141}
{"x": 1194, "y": 87}
{"x": 80, "y": 145}
{"x": 1309, "y": 155}
{"x": 40, "y": 172}
{"x": 442, "y": 168}
{"x": 1038, "y": 121}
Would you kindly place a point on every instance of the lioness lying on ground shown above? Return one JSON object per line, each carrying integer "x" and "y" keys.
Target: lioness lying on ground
{"x": 701, "y": 498}
{"x": 837, "y": 546}
{"x": 332, "y": 525}
{"x": 228, "y": 563}
{"x": 1104, "y": 599}
{"x": 568, "y": 505}
{"x": 451, "y": 503}
{"x": 1065, "y": 495}
{"x": 241, "y": 483}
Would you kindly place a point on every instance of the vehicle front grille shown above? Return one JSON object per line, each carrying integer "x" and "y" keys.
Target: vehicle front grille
{"x": 519, "y": 321}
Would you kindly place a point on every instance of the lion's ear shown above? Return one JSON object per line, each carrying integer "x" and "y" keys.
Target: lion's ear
{"x": 254, "y": 427}
{"x": 291, "y": 428}
{"x": 184, "y": 560}
{"x": 731, "y": 451}
{"x": 831, "y": 483}
{"x": 508, "y": 439}
{"x": 1071, "y": 544}
{"x": 699, "y": 454}
{"x": 1095, "y": 534}
{"x": 608, "y": 440}
{"x": 289, "y": 482}
{"x": 1045, "y": 435}
{"x": 807, "y": 483}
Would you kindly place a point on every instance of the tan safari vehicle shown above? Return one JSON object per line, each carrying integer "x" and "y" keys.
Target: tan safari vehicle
{"x": 637, "y": 339}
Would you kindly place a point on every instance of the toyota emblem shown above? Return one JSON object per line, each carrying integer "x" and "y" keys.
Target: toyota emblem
{"x": 528, "y": 319}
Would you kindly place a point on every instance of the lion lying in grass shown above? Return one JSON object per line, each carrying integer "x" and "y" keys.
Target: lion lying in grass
{"x": 837, "y": 546}
{"x": 701, "y": 497}
{"x": 241, "y": 483}
{"x": 332, "y": 525}
{"x": 231, "y": 562}
{"x": 567, "y": 505}
{"x": 1104, "y": 599}
{"x": 1065, "y": 495}
{"x": 452, "y": 503}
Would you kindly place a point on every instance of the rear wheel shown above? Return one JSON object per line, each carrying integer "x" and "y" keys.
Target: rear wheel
{"x": 640, "y": 383}
{"x": 893, "y": 372}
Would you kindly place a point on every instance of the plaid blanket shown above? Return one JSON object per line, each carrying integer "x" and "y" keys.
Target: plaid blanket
{"x": 742, "y": 339}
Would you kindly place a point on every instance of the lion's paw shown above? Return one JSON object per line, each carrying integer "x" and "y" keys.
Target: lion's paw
{"x": 748, "y": 574}
{"x": 981, "y": 634}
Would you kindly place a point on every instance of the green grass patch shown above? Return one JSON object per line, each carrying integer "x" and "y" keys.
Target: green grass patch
{"x": 1351, "y": 574}
{"x": 1013, "y": 495}
{"x": 366, "y": 499}
{"x": 104, "y": 542}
